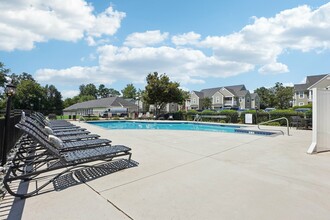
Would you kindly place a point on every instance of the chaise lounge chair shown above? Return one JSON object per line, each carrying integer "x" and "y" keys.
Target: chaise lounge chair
{"x": 37, "y": 156}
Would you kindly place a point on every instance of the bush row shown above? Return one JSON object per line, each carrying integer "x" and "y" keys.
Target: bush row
{"x": 235, "y": 117}
{"x": 232, "y": 116}
{"x": 264, "y": 116}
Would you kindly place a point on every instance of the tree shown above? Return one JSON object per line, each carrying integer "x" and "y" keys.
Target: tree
{"x": 267, "y": 97}
{"x": 160, "y": 90}
{"x": 207, "y": 103}
{"x": 88, "y": 90}
{"x": 113, "y": 92}
{"x": 277, "y": 96}
{"x": 77, "y": 99}
{"x": 3, "y": 74}
{"x": 103, "y": 92}
{"x": 53, "y": 100}
{"x": 68, "y": 102}
{"x": 129, "y": 91}
{"x": 27, "y": 95}
{"x": 24, "y": 76}
{"x": 283, "y": 96}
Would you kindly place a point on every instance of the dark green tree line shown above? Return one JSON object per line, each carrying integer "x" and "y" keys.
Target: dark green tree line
{"x": 278, "y": 96}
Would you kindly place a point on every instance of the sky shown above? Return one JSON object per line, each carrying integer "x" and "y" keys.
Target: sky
{"x": 200, "y": 44}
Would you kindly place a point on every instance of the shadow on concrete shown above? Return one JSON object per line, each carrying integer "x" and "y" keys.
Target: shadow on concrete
{"x": 11, "y": 208}
{"x": 84, "y": 175}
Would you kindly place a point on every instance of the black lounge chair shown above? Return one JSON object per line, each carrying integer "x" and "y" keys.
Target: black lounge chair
{"x": 43, "y": 156}
{"x": 54, "y": 124}
{"x": 69, "y": 137}
{"x": 50, "y": 131}
{"x": 68, "y": 145}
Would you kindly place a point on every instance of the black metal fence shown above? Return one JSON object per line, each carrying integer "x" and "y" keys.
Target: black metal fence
{"x": 13, "y": 134}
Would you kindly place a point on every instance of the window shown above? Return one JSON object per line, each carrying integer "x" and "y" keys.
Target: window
{"x": 301, "y": 95}
{"x": 301, "y": 103}
{"x": 248, "y": 100}
{"x": 194, "y": 101}
{"x": 217, "y": 100}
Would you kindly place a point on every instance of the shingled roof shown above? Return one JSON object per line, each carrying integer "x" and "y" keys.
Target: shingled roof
{"x": 210, "y": 92}
{"x": 310, "y": 80}
{"x": 199, "y": 94}
{"x": 236, "y": 90}
{"x": 102, "y": 103}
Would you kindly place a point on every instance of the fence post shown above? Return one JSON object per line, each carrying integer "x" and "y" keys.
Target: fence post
{"x": 6, "y": 133}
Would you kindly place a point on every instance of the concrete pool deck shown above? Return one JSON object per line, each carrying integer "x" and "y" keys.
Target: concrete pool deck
{"x": 195, "y": 175}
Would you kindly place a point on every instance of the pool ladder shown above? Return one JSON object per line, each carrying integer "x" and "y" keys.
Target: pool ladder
{"x": 276, "y": 119}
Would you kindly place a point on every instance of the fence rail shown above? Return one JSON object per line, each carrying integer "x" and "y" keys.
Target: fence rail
{"x": 13, "y": 134}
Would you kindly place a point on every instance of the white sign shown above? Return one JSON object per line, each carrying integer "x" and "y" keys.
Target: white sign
{"x": 248, "y": 119}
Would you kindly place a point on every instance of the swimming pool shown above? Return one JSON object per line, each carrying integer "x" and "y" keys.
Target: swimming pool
{"x": 190, "y": 126}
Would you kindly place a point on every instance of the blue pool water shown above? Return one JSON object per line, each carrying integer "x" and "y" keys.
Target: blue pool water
{"x": 175, "y": 126}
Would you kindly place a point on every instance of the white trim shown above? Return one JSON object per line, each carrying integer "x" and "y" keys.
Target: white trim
{"x": 227, "y": 91}
{"x": 315, "y": 84}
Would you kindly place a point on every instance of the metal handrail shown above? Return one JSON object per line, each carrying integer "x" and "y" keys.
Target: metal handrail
{"x": 276, "y": 119}
{"x": 82, "y": 119}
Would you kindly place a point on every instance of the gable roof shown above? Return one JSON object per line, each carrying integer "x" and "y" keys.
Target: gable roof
{"x": 310, "y": 80}
{"x": 102, "y": 103}
{"x": 254, "y": 95}
{"x": 199, "y": 94}
{"x": 242, "y": 93}
{"x": 300, "y": 87}
{"x": 210, "y": 92}
{"x": 236, "y": 88}
{"x": 322, "y": 83}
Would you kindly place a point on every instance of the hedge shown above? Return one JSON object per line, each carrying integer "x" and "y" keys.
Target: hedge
{"x": 264, "y": 116}
{"x": 232, "y": 115}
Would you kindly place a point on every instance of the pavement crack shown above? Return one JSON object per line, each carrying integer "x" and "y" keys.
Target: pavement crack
{"x": 108, "y": 201}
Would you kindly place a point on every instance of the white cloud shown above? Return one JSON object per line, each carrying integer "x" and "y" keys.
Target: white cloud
{"x": 69, "y": 93}
{"x": 274, "y": 68}
{"x": 73, "y": 76}
{"x": 133, "y": 64}
{"x": 186, "y": 38}
{"x": 256, "y": 46}
{"x": 24, "y": 23}
{"x": 262, "y": 42}
{"x": 289, "y": 84}
{"x": 148, "y": 38}
{"x": 106, "y": 23}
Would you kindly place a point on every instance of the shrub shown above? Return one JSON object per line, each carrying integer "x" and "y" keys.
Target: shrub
{"x": 232, "y": 115}
{"x": 191, "y": 114}
{"x": 273, "y": 123}
{"x": 303, "y": 106}
{"x": 92, "y": 118}
{"x": 309, "y": 114}
{"x": 208, "y": 112}
{"x": 178, "y": 115}
{"x": 264, "y": 116}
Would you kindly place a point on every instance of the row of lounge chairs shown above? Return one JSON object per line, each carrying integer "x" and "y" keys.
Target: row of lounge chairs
{"x": 56, "y": 145}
